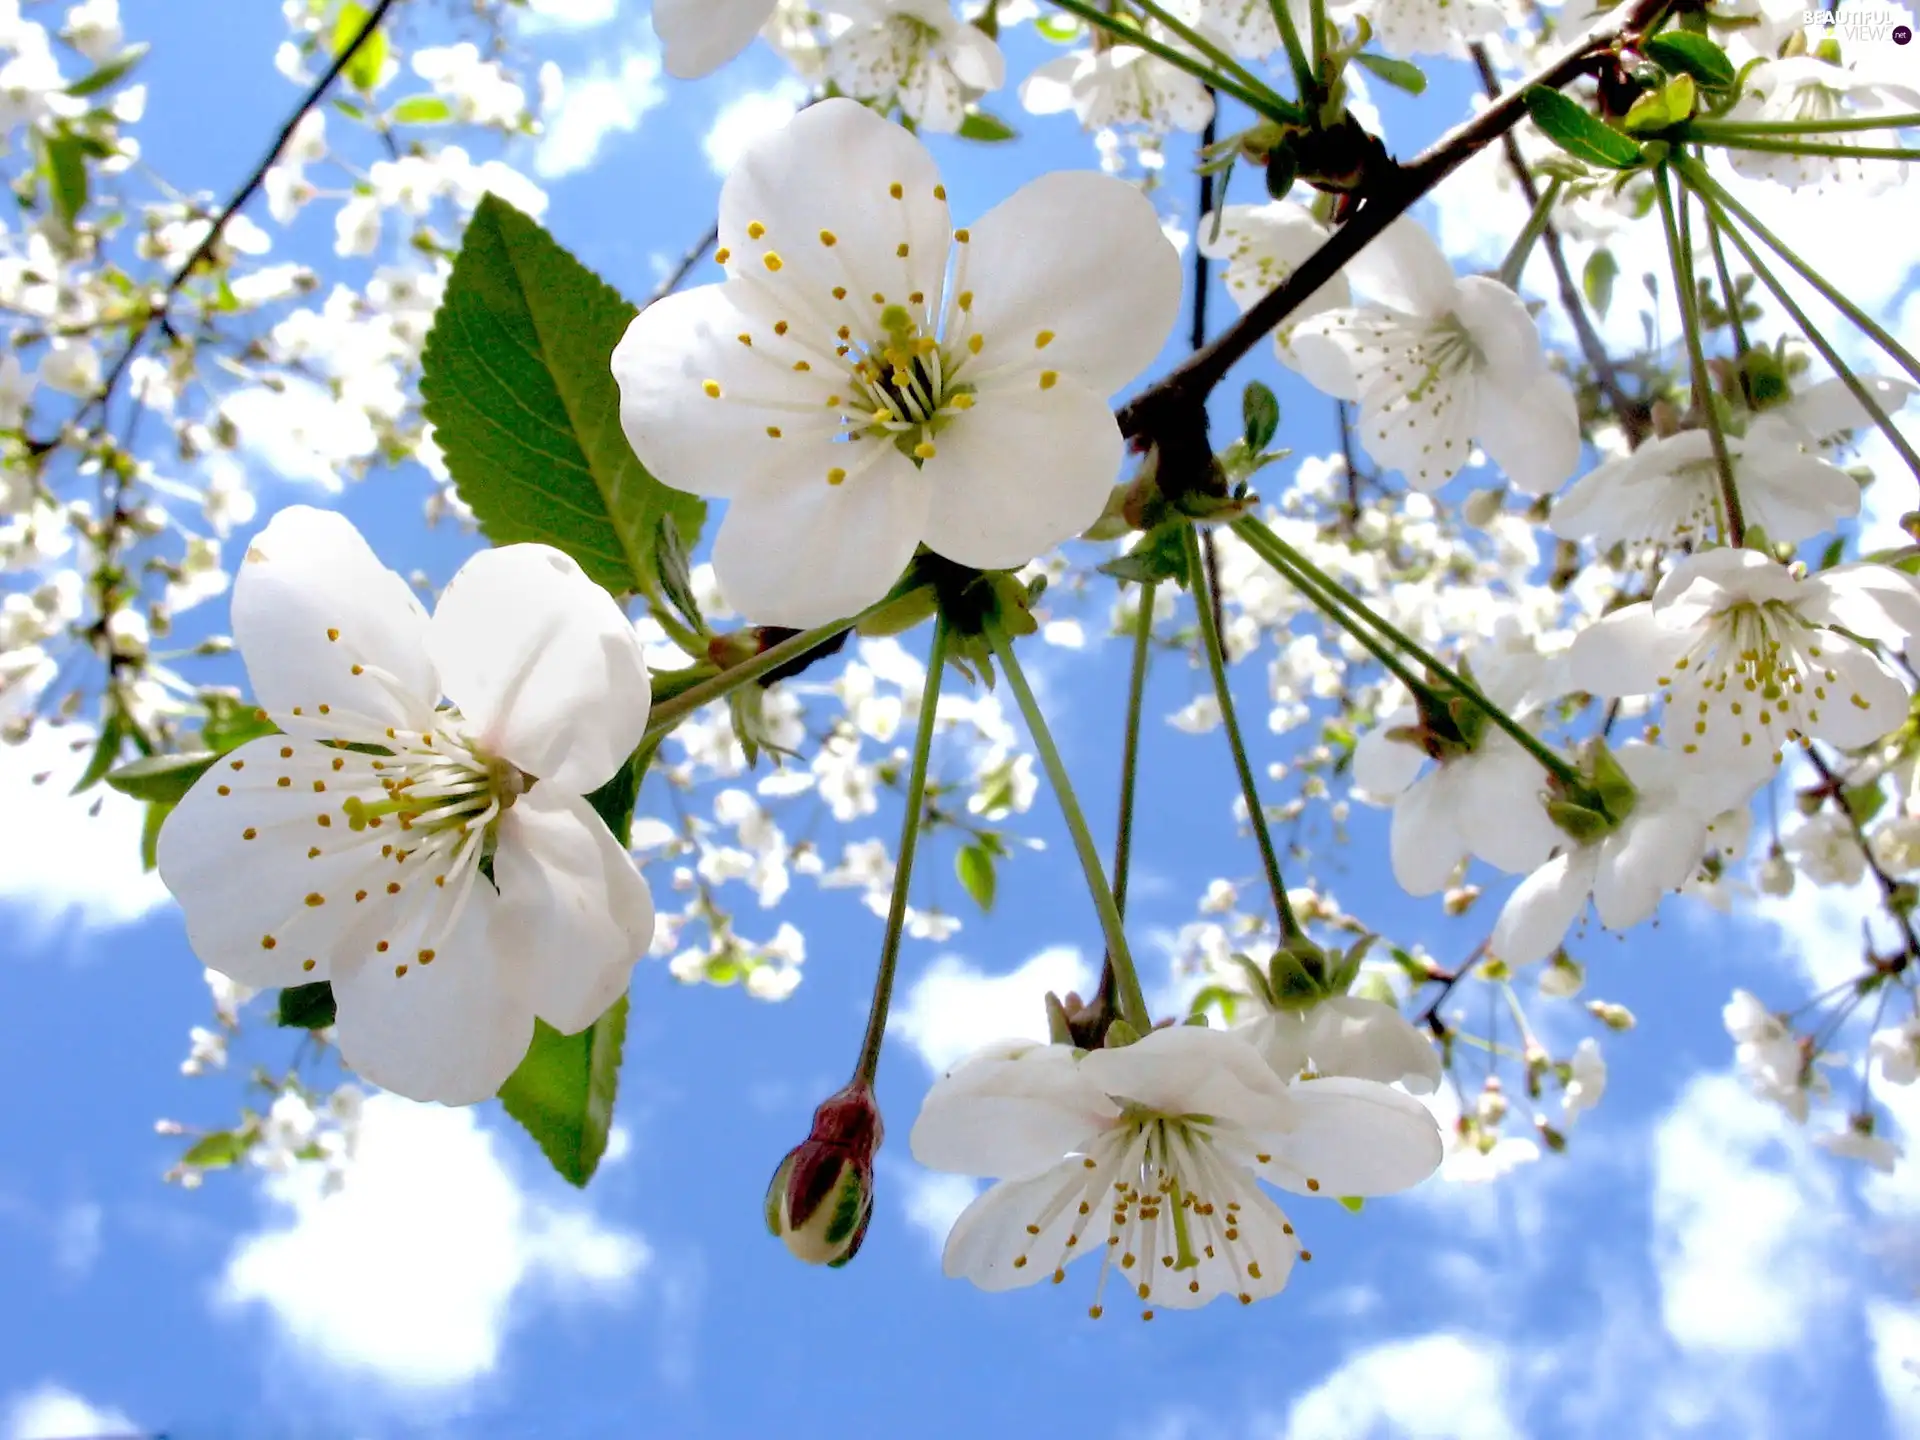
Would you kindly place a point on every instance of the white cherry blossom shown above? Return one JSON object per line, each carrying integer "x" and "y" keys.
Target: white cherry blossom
{"x": 1262, "y": 246}
{"x": 1668, "y": 491}
{"x": 852, "y": 396}
{"x": 1121, "y": 85}
{"x": 1346, "y": 1035}
{"x": 1898, "y": 1051}
{"x": 1742, "y": 652}
{"x": 1803, "y": 87}
{"x": 297, "y": 860}
{"x": 917, "y": 54}
{"x": 1626, "y": 871}
{"x": 1768, "y": 1056}
{"x": 1425, "y": 27}
{"x": 1825, "y": 849}
{"x": 1827, "y": 413}
{"x": 1588, "y": 1081}
{"x": 1148, "y": 1156}
{"x": 1436, "y": 362}
{"x": 1858, "y": 1142}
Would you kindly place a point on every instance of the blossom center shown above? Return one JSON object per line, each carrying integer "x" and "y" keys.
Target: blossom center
{"x": 1758, "y": 673}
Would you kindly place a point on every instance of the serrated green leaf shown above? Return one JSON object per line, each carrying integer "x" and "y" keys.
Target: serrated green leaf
{"x": 1259, "y": 414}
{"x": 1597, "y": 279}
{"x": 517, "y": 386}
{"x": 1580, "y": 134}
{"x": 96, "y": 81}
{"x": 421, "y": 110}
{"x": 1680, "y": 52}
{"x": 1401, "y": 74}
{"x": 164, "y": 779}
{"x": 676, "y": 581}
{"x": 306, "y": 1007}
{"x": 363, "y": 71}
{"x": 66, "y": 172}
{"x": 987, "y": 127}
{"x": 974, "y": 865}
{"x": 563, "y": 1092}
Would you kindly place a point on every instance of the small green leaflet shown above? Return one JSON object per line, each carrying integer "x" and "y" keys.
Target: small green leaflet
{"x": 1680, "y": 52}
{"x": 974, "y": 865}
{"x": 1401, "y": 74}
{"x": 421, "y": 110}
{"x": 1569, "y": 126}
{"x": 66, "y": 170}
{"x": 111, "y": 71}
{"x": 363, "y": 71}
{"x": 985, "y": 126}
{"x": 1259, "y": 414}
{"x": 563, "y": 1091}
{"x": 517, "y": 386}
{"x": 1597, "y": 280}
{"x": 306, "y": 1007}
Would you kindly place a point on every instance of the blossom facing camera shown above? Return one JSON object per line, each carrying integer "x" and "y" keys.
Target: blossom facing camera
{"x": 821, "y": 1197}
{"x": 435, "y": 862}
{"x": 869, "y": 378}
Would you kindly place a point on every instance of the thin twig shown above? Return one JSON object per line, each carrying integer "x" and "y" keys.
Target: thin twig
{"x": 685, "y": 268}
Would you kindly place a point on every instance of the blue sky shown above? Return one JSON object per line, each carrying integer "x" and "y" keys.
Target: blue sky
{"x": 1691, "y": 1266}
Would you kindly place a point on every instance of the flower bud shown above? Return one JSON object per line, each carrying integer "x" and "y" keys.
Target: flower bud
{"x": 1483, "y": 507}
{"x": 821, "y": 1197}
{"x": 1562, "y": 979}
{"x": 1776, "y": 875}
{"x": 1614, "y": 1017}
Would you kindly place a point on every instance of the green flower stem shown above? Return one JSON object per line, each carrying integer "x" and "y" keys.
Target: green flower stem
{"x": 1130, "y": 746}
{"x": 869, "y": 1060}
{"x": 1902, "y": 446}
{"x": 1317, "y": 17}
{"x": 1696, "y": 175}
{"x": 1806, "y": 147}
{"x": 1133, "y": 1003}
{"x": 1242, "y": 76}
{"x": 1687, "y": 294}
{"x": 669, "y": 713}
{"x": 1713, "y": 130}
{"x": 1203, "y": 599}
{"x": 1260, "y": 99}
{"x": 1536, "y": 225}
{"x": 1271, "y": 548}
{"x": 1728, "y": 297}
{"x": 1332, "y": 602}
{"x": 1304, "y": 75}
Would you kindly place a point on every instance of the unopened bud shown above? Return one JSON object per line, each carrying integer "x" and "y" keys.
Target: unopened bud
{"x": 1490, "y": 1108}
{"x": 1459, "y": 900}
{"x": 1614, "y": 1017}
{"x": 1550, "y": 1137}
{"x": 1482, "y": 506}
{"x": 1776, "y": 875}
{"x": 821, "y": 1197}
{"x": 1562, "y": 979}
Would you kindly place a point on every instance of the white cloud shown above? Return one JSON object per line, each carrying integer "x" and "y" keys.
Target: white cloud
{"x": 51, "y": 1412}
{"x": 58, "y": 861}
{"x": 593, "y": 107}
{"x": 76, "y": 1239}
{"x": 569, "y": 14}
{"x": 410, "y": 1273}
{"x": 1743, "y": 1214}
{"x": 746, "y": 118}
{"x": 1433, "y": 1387}
{"x": 1895, "y": 1331}
{"x": 932, "y": 1201}
{"x": 954, "y": 1009}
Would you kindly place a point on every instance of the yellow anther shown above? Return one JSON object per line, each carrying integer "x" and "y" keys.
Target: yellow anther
{"x": 773, "y": 432}
{"x": 901, "y": 250}
{"x": 962, "y": 236}
{"x": 722, "y": 255}
{"x": 895, "y": 191}
{"x": 1043, "y": 339}
{"x": 839, "y": 292}
{"x": 965, "y": 300}
{"x": 827, "y": 237}
{"x": 974, "y": 343}
{"x": 779, "y": 327}
{"x": 756, "y": 230}
{"x": 333, "y": 634}
{"x": 745, "y": 339}
{"x": 1048, "y": 379}
{"x": 939, "y": 192}
{"x": 836, "y": 475}
{"x": 771, "y": 260}
{"x": 925, "y": 450}
{"x": 712, "y": 387}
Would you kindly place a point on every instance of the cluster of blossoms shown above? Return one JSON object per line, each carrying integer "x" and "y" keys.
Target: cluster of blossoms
{"x": 1585, "y": 674}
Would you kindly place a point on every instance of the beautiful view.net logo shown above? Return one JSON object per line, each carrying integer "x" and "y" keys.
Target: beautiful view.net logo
{"x": 1880, "y": 23}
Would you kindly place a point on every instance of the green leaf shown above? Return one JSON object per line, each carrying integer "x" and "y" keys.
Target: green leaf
{"x": 670, "y": 561}
{"x": 1161, "y": 554}
{"x": 363, "y": 71}
{"x": 562, "y": 1094}
{"x": 1401, "y": 74}
{"x": 974, "y": 866}
{"x": 613, "y": 801}
{"x": 66, "y": 169}
{"x": 1680, "y": 53}
{"x": 1597, "y": 280}
{"x": 306, "y": 1007}
{"x": 163, "y": 779}
{"x": 985, "y": 126}
{"x": 1578, "y": 133}
{"x": 156, "y": 816}
{"x": 1863, "y": 802}
{"x": 231, "y": 723}
{"x": 421, "y": 110}
{"x": 1060, "y": 29}
{"x": 1355, "y": 1203}
{"x": 100, "y": 79}
{"x": 525, "y": 408}
{"x": 1832, "y": 555}
{"x": 1260, "y": 415}
{"x": 105, "y": 751}
{"x": 1661, "y": 109}
{"x": 216, "y": 1151}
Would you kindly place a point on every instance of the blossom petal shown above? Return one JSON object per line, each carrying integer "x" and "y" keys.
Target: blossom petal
{"x": 1629, "y": 652}
{"x": 991, "y": 1233}
{"x": 1868, "y": 700}
{"x": 572, "y": 907}
{"x": 1367, "y": 1040}
{"x": 699, "y": 36}
{"x": 1106, "y": 315}
{"x": 546, "y": 670}
{"x": 809, "y": 553}
{"x": 1384, "y": 766}
{"x": 1531, "y": 431}
{"x": 1353, "y": 1137}
{"x": 1010, "y": 1117}
{"x": 1501, "y": 816}
{"x": 1190, "y": 1070}
{"x": 696, "y": 403}
{"x": 310, "y": 603}
{"x": 1020, "y": 473}
{"x": 1647, "y": 856}
{"x": 1793, "y": 495}
{"x": 1404, "y": 270}
{"x": 1543, "y": 907}
{"x": 1425, "y": 841}
{"x": 837, "y": 197}
{"x": 452, "y": 1029}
